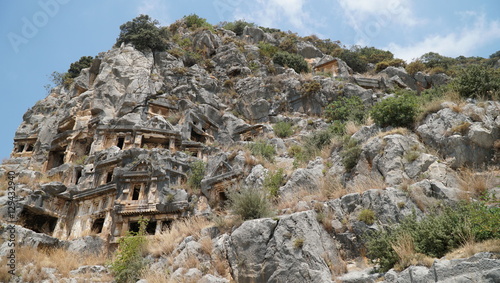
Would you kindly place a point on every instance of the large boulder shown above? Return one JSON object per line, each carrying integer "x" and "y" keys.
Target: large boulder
{"x": 304, "y": 178}
{"x": 307, "y": 50}
{"x": 396, "y": 157}
{"x": 253, "y": 34}
{"x": 206, "y": 40}
{"x": 401, "y": 73}
{"x": 482, "y": 267}
{"x": 293, "y": 248}
{"x": 465, "y": 135}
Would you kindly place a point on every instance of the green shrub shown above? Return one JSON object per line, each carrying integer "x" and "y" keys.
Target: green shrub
{"x": 380, "y": 66}
{"x": 367, "y": 216}
{"x": 484, "y": 221}
{"x": 350, "y": 153}
{"x": 320, "y": 139}
{"x": 298, "y": 243}
{"x": 346, "y": 109}
{"x": 477, "y": 81}
{"x": 196, "y": 174}
{"x": 310, "y": 87}
{"x": 191, "y": 58}
{"x": 267, "y": 49}
{"x": 128, "y": 262}
{"x": 193, "y": 21}
{"x": 415, "y": 67}
{"x": 337, "y": 128}
{"x": 237, "y": 26}
{"x": 438, "y": 233}
{"x": 76, "y": 67}
{"x": 274, "y": 181}
{"x": 250, "y": 203}
{"x": 289, "y": 43}
{"x": 263, "y": 149}
{"x": 397, "y": 111}
{"x": 143, "y": 32}
{"x": 283, "y": 129}
{"x": 293, "y": 61}
{"x": 354, "y": 60}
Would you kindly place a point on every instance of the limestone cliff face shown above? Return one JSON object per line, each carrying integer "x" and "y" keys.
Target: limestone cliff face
{"x": 118, "y": 144}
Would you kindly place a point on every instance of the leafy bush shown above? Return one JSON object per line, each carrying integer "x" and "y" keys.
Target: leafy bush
{"x": 433, "y": 59}
{"x": 250, "y": 203}
{"x": 320, "y": 139}
{"x": 191, "y": 58}
{"x": 477, "y": 81}
{"x": 350, "y": 153}
{"x": 289, "y": 43}
{"x": 283, "y": 129}
{"x": 337, "y": 128}
{"x": 293, "y": 61}
{"x": 415, "y": 67}
{"x": 263, "y": 149}
{"x": 346, "y": 109}
{"x": 196, "y": 174}
{"x": 143, "y": 32}
{"x": 380, "y": 66}
{"x": 438, "y": 233}
{"x": 76, "y": 67}
{"x": 193, "y": 21}
{"x": 310, "y": 87}
{"x": 396, "y": 111}
{"x": 267, "y": 49}
{"x": 367, "y": 216}
{"x": 373, "y": 55}
{"x": 237, "y": 26}
{"x": 354, "y": 60}
{"x": 274, "y": 181}
{"x": 128, "y": 261}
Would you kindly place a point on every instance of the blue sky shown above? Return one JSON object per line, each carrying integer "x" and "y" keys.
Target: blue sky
{"x": 42, "y": 36}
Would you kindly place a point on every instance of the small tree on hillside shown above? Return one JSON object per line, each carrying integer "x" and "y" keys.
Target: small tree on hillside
{"x": 76, "y": 67}
{"x": 143, "y": 32}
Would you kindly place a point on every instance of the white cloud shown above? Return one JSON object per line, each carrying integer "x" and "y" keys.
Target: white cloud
{"x": 271, "y": 13}
{"x": 369, "y": 17}
{"x": 461, "y": 42}
{"x": 399, "y": 11}
{"x": 157, "y": 9}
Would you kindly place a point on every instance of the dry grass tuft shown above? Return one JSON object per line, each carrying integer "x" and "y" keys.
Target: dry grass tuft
{"x": 470, "y": 248}
{"x": 165, "y": 242}
{"x": 462, "y": 129}
{"x": 326, "y": 188}
{"x": 62, "y": 260}
{"x": 396, "y": 131}
{"x": 331, "y": 188}
{"x": 191, "y": 262}
{"x": 429, "y": 108}
{"x": 225, "y": 223}
{"x": 475, "y": 184}
{"x": 221, "y": 266}
{"x": 206, "y": 245}
{"x": 336, "y": 269}
{"x": 156, "y": 276}
{"x": 405, "y": 249}
{"x": 351, "y": 128}
{"x": 365, "y": 183}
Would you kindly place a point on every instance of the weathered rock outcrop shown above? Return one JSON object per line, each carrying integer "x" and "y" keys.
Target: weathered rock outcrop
{"x": 483, "y": 267}
{"x": 293, "y": 248}
{"x": 463, "y": 134}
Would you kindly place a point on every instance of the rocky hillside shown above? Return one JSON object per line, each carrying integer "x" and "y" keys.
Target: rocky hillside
{"x": 230, "y": 166}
